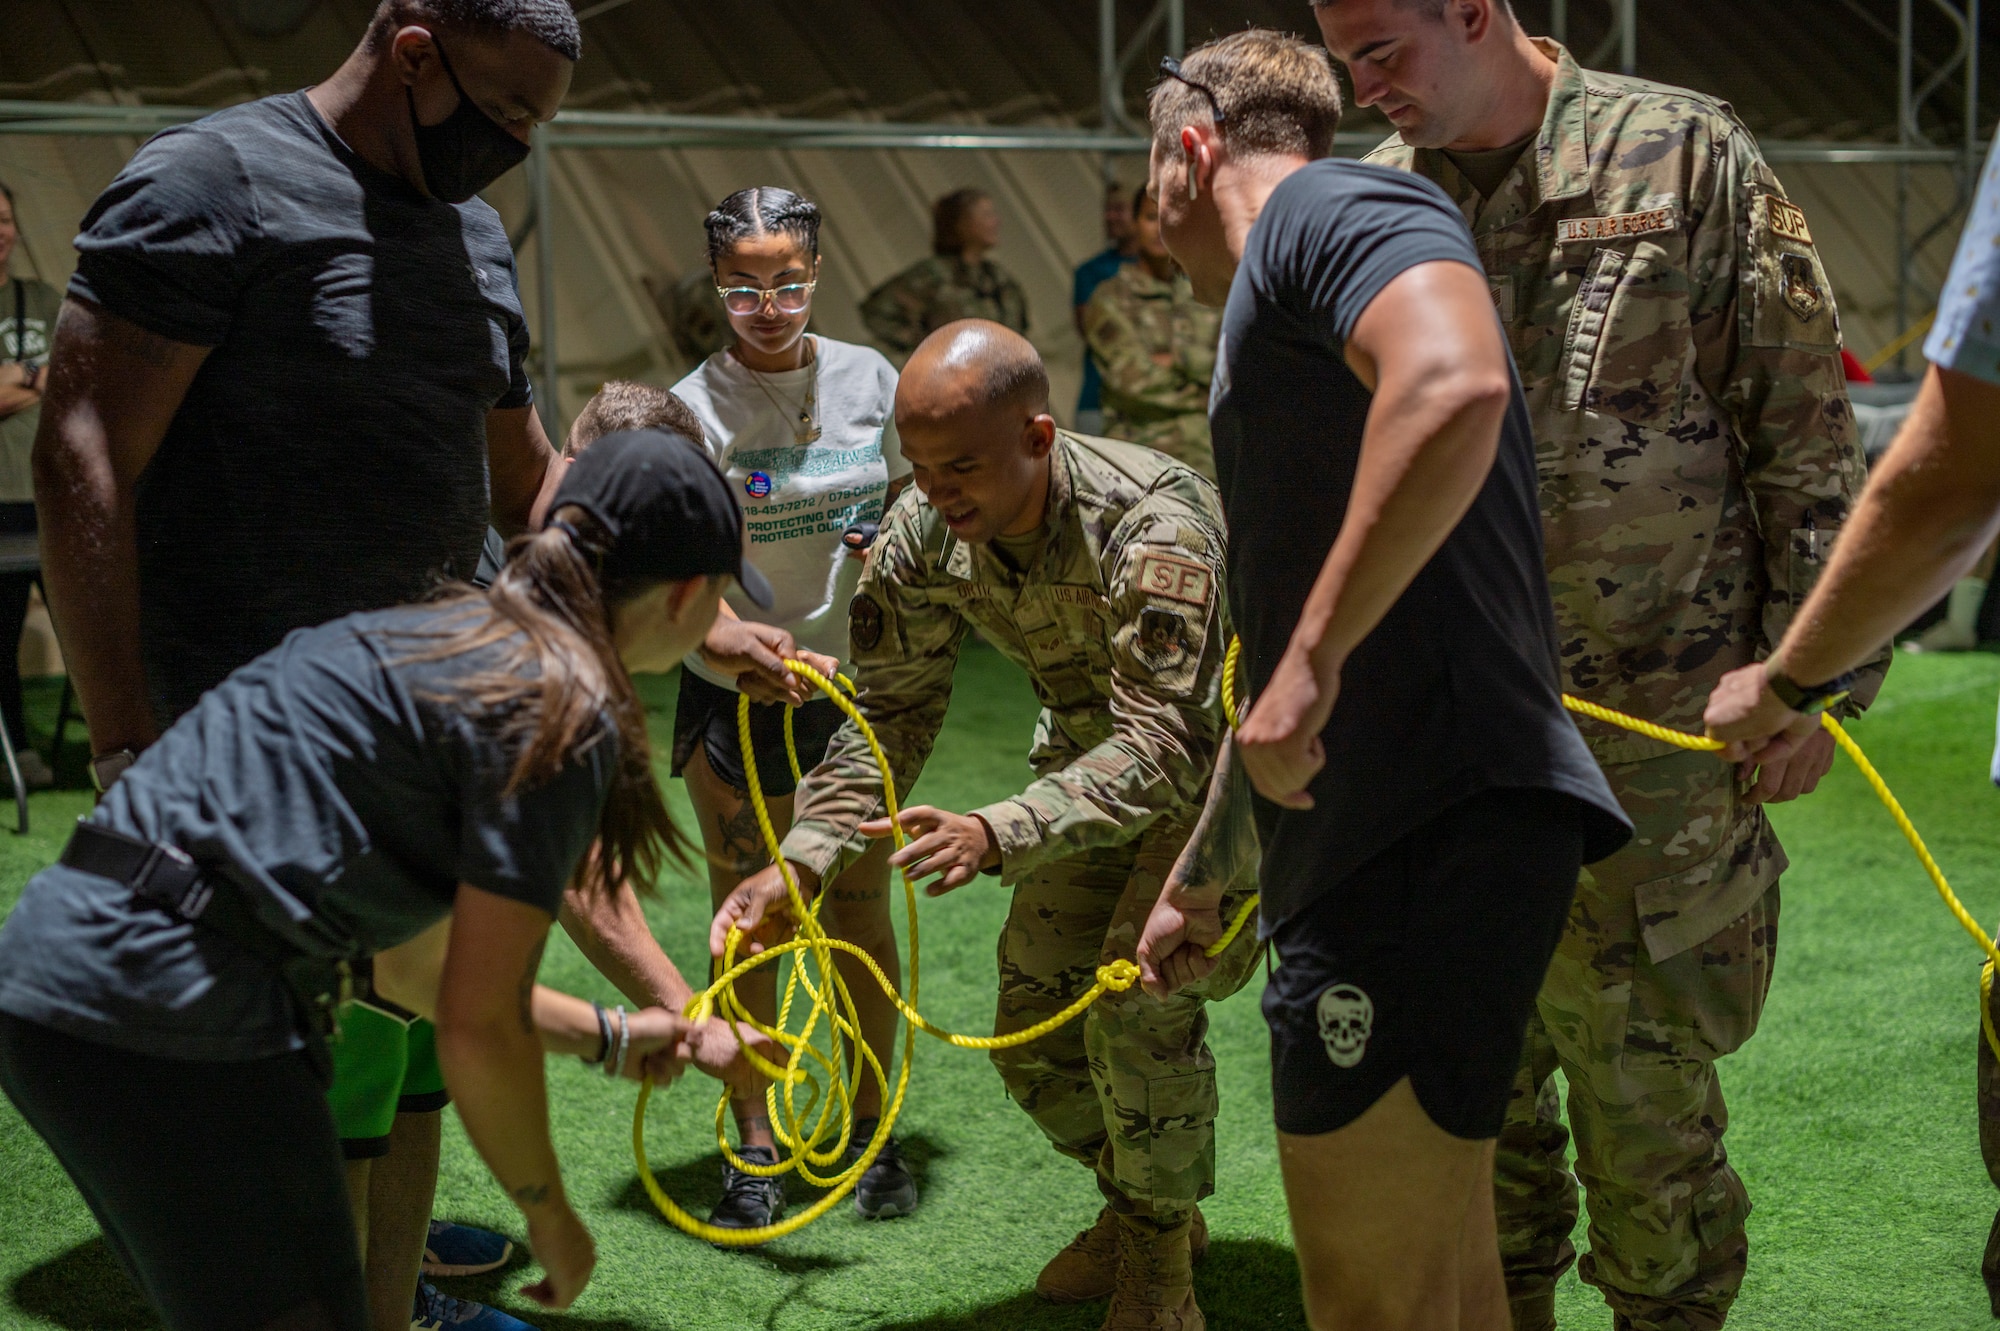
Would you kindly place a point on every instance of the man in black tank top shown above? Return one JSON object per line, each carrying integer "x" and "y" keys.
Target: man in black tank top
{"x": 1423, "y": 800}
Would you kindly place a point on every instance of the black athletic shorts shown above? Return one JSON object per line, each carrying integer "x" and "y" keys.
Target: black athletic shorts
{"x": 1424, "y": 963}
{"x": 706, "y": 715}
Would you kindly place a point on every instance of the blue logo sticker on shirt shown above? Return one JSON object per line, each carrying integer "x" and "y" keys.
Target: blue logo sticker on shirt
{"x": 758, "y": 484}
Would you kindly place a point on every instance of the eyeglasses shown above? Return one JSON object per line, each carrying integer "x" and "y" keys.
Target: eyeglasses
{"x": 1172, "y": 69}
{"x": 792, "y": 298}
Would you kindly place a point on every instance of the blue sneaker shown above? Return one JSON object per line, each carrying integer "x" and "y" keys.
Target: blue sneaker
{"x": 461, "y": 1250}
{"x": 441, "y": 1312}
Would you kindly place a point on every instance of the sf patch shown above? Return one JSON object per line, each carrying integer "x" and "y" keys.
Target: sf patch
{"x": 1800, "y": 286}
{"x": 864, "y": 622}
{"x": 1175, "y": 578}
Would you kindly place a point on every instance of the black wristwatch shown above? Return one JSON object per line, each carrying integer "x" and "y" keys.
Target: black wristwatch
{"x": 1809, "y": 699}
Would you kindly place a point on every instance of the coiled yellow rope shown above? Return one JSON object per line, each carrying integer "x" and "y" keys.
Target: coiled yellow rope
{"x": 815, "y": 1147}
{"x": 817, "y": 1133}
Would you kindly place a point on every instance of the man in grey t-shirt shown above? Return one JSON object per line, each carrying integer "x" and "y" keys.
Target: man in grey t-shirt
{"x": 290, "y": 383}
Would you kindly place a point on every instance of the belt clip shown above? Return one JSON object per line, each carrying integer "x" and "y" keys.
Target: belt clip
{"x": 181, "y": 885}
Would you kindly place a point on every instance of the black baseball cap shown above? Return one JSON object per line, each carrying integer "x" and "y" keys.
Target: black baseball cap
{"x": 666, "y": 508}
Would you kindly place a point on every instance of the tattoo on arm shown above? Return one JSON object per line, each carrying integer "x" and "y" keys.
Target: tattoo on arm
{"x": 531, "y": 1194}
{"x": 528, "y": 987}
{"x": 1216, "y": 847}
{"x": 742, "y": 841}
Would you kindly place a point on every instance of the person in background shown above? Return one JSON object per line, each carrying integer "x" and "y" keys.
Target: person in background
{"x": 264, "y": 416}
{"x": 957, "y": 282}
{"x": 1155, "y": 346}
{"x": 1089, "y": 274}
{"x": 804, "y": 429}
{"x": 27, "y": 318}
{"x": 1931, "y": 508}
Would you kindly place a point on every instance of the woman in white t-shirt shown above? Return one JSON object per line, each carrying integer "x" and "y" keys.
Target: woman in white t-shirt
{"x": 804, "y": 429}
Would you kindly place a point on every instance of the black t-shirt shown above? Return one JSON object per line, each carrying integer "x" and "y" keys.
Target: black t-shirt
{"x": 330, "y": 455}
{"x": 346, "y": 789}
{"x": 1455, "y": 691}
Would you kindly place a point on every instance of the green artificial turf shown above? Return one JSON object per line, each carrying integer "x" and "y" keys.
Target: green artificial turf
{"x": 1853, "y": 1119}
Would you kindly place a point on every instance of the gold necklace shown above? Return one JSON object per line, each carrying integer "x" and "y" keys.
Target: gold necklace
{"x": 805, "y": 413}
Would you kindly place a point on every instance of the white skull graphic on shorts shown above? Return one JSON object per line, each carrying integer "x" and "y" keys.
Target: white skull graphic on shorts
{"x": 1346, "y": 1017}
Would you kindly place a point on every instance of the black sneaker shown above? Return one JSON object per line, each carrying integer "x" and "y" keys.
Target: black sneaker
{"x": 749, "y": 1202}
{"x": 886, "y": 1190}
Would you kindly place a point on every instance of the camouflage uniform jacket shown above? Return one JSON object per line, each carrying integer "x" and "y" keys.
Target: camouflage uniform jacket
{"x": 1155, "y": 348}
{"x": 1680, "y": 354}
{"x": 926, "y": 296}
{"x": 1120, "y": 625}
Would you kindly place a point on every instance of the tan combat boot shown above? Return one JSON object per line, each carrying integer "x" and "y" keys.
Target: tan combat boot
{"x": 1088, "y": 1268}
{"x": 1155, "y": 1288}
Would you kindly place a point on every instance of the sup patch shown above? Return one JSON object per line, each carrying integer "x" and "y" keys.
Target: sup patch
{"x": 1786, "y": 220}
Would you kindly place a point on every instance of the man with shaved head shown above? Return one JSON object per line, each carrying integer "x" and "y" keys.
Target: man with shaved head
{"x": 1096, "y": 566}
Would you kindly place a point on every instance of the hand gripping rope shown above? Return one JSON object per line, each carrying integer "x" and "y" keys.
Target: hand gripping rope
{"x": 817, "y": 1145}
{"x": 816, "y": 1133}
{"x": 1681, "y": 739}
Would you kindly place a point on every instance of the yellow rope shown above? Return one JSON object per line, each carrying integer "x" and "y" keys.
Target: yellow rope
{"x": 1708, "y": 744}
{"x": 820, "y": 1143}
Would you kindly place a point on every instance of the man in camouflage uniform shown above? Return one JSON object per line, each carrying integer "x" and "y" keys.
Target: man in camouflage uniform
{"x": 957, "y": 282}
{"x": 1154, "y": 345}
{"x": 1097, "y": 567}
{"x": 1678, "y": 348}
{"x": 942, "y": 289}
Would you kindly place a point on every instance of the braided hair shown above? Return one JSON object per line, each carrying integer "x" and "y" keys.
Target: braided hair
{"x": 762, "y": 210}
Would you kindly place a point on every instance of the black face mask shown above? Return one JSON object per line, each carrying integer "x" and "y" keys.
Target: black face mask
{"x": 467, "y": 150}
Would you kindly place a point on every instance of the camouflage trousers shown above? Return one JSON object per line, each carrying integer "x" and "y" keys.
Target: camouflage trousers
{"x": 1989, "y": 1146}
{"x": 1128, "y": 1088}
{"x": 1637, "y": 1040}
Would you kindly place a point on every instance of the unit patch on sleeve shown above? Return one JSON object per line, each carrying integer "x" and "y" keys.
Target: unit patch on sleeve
{"x": 1801, "y": 285}
{"x": 1571, "y": 230}
{"x": 1161, "y": 640}
{"x": 1175, "y": 578}
{"x": 864, "y": 622}
{"x": 1786, "y": 220}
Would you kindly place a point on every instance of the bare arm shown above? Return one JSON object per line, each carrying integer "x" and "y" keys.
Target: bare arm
{"x": 1930, "y": 509}
{"x": 1187, "y": 918}
{"x": 524, "y": 466}
{"x": 612, "y": 932}
{"x": 110, "y": 400}
{"x": 1430, "y": 350}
